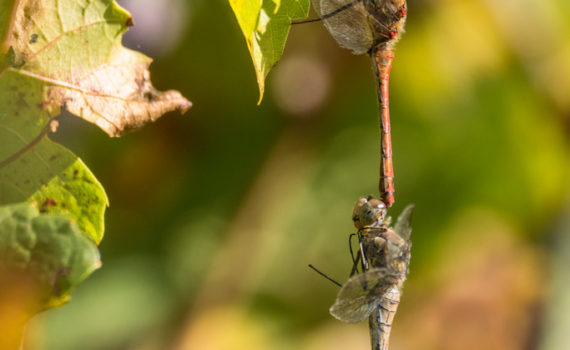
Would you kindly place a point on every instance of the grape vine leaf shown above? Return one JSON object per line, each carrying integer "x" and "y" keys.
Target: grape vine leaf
{"x": 44, "y": 256}
{"x": 72, "y": 50}
{"x": 56, "y": 53}
{"x": 55, "y": 180}
{"x": 265, "y": 25}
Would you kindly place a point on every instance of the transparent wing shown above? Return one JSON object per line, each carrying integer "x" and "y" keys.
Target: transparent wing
{"x": 349, "y": 27}
{"x": 403, "y": 226}
{"x": 361, "y": 295}
{"x": 395, "y": 245}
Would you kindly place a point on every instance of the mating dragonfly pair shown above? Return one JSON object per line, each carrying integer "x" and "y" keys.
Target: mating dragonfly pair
{"x": 373, "y": 27}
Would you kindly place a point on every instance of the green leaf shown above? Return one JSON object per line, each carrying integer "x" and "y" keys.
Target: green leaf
{"x": 57, "y": 181}
{"x": 44, "y": 256}
{"x": 67, "y": 52}
{"x": 265, "y": 25}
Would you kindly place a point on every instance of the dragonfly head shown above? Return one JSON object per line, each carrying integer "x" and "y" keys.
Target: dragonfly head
{"x": 368, "y": 212}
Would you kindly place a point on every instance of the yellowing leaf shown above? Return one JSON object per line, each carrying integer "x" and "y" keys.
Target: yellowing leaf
{"x": 43, "y": 256}
{"x": 265, "y": 25}
{"x": 71, "y": 51}
{"x": 56, "y": 53}
{"x": 57, "y": 181}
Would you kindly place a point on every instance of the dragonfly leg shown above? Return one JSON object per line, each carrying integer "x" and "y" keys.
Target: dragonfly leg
{"x": 355, "y": 259}
{"x": 365, "y": 264}
{"x": 350, "y": 246}
{"x": 328, "y": 15}
{"x": 355, "y": 262}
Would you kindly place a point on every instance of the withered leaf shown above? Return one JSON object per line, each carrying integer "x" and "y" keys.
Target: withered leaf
{"x": 72, "y": 52}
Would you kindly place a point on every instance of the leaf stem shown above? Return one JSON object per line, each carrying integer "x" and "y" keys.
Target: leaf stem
{"x": 50, "y": 127}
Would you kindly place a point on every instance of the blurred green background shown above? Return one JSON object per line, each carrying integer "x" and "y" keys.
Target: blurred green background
{"x": 215, "y": 215}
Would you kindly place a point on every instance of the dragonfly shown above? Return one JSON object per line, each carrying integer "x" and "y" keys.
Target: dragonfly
{"x": 372, "y": 27}
{"x": 384, "y": 256}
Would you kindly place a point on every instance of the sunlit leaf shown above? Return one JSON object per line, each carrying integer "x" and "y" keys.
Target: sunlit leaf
{"x": 58, "y": 182}
{"x": 43, "y": 255}
{"x": 69, "y": 52}
{"x": 265, "y": 25}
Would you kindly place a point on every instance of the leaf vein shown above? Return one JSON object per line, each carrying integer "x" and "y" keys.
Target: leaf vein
{"x": 64, "y": 33}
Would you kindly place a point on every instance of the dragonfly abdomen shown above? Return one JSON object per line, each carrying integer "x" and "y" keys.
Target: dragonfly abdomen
{"x": 381, "y": 319}
{"x": 382, "y": 62}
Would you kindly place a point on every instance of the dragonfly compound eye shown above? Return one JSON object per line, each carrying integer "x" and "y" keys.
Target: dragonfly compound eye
{"x": 368, "y": 212}
{"x": 358, "y": 207}
{"x": 377, "y": 204}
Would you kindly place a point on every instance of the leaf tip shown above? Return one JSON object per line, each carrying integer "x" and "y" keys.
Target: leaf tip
{"x": 261, "y": 84}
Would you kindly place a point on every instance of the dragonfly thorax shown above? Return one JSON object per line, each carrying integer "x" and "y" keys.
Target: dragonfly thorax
{"x": 384, "y": 248}
{"x": 386, "y": 20}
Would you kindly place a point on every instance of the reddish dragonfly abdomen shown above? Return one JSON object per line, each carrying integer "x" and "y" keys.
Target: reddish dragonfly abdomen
{"x": 382, "y": 62}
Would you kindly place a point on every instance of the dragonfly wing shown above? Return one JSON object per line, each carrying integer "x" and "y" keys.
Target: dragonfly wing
{"x": 360, "y": 295}
{"x": 348, "y": 27}
{"x": 403, "y": 225}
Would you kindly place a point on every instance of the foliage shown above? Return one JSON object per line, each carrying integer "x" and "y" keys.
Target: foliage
{"x": 46, "y": 253}
{"x": 244, "y": 197}
{"x": 265, "y": 25}
{"x": 56, "y": 54}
